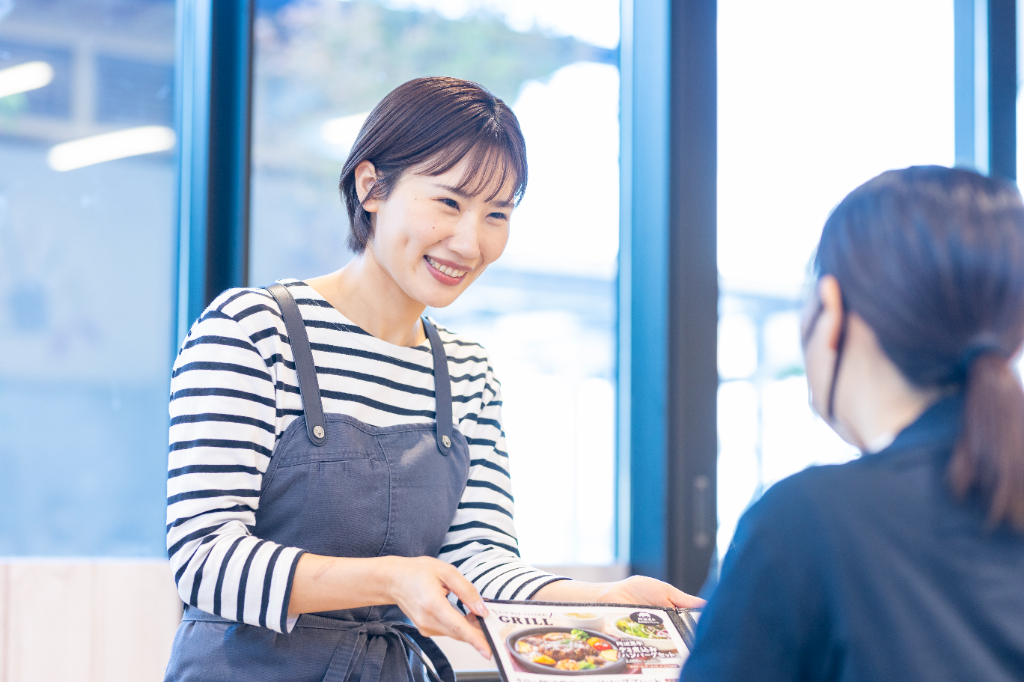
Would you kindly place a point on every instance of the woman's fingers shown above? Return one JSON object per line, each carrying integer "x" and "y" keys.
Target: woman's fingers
{"x": 681, "y": 600}
{"x": 451, "y": 623}
{"x": 464, "y": 590}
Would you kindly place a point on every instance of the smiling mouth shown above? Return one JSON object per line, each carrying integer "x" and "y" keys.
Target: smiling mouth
{"x": 445, "y": 273}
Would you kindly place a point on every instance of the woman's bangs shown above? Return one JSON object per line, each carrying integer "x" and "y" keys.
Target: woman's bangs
{"x": 491, "y": 170}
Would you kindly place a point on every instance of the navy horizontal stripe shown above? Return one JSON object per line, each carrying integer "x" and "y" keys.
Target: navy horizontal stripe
{"x": 485, "y": 505}
{"x": 221, "y": 367}
{"x": 222, "y": 392}
{"x": 490, "y": 486}
{"x": 468, "y": 358}
{"x": 202, "y": 494}
{"x": 254, "y": 309}
{"x": 220, "y": 443}
{"x": 376, "y": 404}
{"x": 478, "y": 524}
{"x": 235, "y": 296}
{"x": 212, "y": 315}
{"x": 467, "y": 377}
{"x": 194, "y": 535}
{"x": 213, "y": 469}
{"x": 338, "y": 326}
{"x": 477, "y": 541}
{"x": 233, "y": 508}
{"x": 370, "y": 355}
{"x": 221, "y": 341}
{"x": 216, "y": 417}
{"x": 502, "y": 561}
{"x": 267, "y": 333}
{"x": 278, "y": 358}
{"x": 314, "y": 302}
{"x": 487, "y": 464}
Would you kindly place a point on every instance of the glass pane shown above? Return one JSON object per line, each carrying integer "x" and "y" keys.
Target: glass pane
{"x": 814, "y": 99}
{"x": 546, "y": 310}
{"x": 86, "y": 250}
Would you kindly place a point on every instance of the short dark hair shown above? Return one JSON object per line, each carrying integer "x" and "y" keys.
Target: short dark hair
{"x": 932, "y": 259}
{"x": 435, "y": 123}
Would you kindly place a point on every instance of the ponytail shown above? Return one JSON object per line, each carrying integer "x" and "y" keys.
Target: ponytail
{"x": 932, "y": 259}
{"x": 989, "y": 457}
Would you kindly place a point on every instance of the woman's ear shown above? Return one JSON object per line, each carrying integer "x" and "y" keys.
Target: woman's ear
{"x": 366, "y": 177}
{"x": 831, "y": 321}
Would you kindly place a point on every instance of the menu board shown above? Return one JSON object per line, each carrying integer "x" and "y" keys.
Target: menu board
{"x": 542, "y": 641}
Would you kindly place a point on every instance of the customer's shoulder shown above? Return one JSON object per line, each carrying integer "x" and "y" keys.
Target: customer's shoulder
{"x": 811, "y": 491}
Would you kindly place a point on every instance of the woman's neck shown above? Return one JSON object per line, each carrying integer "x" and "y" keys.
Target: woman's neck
{"x": 874, "y": 401}
{"x": 365, "y": 293}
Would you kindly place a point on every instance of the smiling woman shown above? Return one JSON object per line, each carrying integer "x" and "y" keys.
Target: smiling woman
{"x": 338, "y": 467}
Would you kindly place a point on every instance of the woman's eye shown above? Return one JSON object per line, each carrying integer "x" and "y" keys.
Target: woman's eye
{"x": 450, "y": 203}
{"x": 499, "y": 216}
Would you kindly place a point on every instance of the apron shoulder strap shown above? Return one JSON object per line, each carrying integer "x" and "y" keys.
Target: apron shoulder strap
{"x": 442, "y": 389}
{"x": 309, "y": 387}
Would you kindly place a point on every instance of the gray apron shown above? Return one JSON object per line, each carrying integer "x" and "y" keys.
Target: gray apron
{"x": 339, "y": 487}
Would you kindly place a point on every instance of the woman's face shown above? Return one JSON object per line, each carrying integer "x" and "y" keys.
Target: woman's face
{"x": 432, "y": 239}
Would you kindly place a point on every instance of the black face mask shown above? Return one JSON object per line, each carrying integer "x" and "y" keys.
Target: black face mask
{"x": 830, "y": 416}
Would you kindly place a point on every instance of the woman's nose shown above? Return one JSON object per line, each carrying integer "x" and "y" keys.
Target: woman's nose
{"x": 465, "y": 240}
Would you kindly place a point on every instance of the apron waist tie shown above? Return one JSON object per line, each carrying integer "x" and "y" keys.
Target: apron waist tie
{"x": 362, "y": 647}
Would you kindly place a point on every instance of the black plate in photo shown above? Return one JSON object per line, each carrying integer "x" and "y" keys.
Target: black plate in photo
{"x": 526, "y": 660}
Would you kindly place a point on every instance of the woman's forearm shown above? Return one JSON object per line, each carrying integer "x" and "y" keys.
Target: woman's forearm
{"x": 571, "y": 591}
{"x": 323, "y": 583}
{"x": 634, "y": 590}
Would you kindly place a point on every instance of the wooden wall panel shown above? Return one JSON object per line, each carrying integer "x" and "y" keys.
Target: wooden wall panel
{"x": 87, "y": 621}
{"x": 49, "y": 634}
{"x": 3, "y": 623}
{"x": 135, "y": 614}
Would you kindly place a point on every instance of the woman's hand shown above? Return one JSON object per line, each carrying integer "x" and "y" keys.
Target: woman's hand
{"x": 420, "y": 587}
{"x": 640, "y": 589}
{"x": 637, "y": 589}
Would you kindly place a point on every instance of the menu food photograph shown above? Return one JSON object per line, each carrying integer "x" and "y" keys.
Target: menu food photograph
{"x": 536, "y": 641}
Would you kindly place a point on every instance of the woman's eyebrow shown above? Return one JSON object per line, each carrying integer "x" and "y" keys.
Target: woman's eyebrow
{"x": 466, "y": 195}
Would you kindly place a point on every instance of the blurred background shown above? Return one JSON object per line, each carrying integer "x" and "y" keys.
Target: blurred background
{"x": 102, "y": 130}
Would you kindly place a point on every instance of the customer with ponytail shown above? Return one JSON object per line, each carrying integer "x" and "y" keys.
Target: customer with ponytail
{"x": 908, "y": 563}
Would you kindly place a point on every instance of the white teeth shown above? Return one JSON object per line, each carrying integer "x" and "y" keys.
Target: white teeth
{"x": 451, "y": 272}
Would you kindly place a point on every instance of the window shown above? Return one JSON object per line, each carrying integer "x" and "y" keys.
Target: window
{"x": 86, "y": 253}
{"x": 814, "y": 99}
{"x": 546, "y": 310}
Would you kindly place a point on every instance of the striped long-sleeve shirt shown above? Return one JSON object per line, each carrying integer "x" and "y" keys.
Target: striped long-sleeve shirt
{"x": 234, "y": 391}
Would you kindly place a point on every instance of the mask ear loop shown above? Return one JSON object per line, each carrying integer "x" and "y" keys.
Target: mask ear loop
{"x": 840, "y": 345}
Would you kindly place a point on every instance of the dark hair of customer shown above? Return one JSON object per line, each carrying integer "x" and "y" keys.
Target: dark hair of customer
{"x": 431, "y": 124}
{"x": 932, "y": 259}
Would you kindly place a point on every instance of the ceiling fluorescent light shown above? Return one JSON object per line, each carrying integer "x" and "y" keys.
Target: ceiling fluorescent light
{"x": 25, "y": 77}
{"x": 89, "y": 151}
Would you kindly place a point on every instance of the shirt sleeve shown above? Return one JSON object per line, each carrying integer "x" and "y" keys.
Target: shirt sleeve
{"x": 222, "y": 434}
{"x": 481, "y": 542}
{"x": 768, "y": 617}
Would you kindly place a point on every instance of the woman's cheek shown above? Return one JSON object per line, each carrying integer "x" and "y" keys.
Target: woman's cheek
{"x": 816, "y": 380}
{"x": 494, "y": 245}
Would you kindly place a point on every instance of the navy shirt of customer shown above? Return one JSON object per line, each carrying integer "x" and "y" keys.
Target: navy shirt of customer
{"x": 870, "y": 570}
